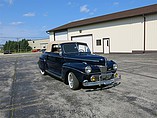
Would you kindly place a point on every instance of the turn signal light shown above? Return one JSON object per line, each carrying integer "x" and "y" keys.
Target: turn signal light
{"x": 116, "y": 75}
{"x": 93, "y": 79}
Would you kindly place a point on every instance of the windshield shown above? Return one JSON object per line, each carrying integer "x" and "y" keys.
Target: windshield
{"x": 76, "y": 48}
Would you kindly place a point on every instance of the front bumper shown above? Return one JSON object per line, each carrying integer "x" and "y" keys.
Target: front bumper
{"x": 101, "y": 82}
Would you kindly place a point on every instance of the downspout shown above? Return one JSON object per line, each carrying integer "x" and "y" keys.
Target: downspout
{"x": 54, "y": 36}
{"x": 144, "y": 29}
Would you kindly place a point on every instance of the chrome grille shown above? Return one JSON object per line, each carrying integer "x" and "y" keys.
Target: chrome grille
{"x": 107, "y": 76}
{"x": 103, "y": 69}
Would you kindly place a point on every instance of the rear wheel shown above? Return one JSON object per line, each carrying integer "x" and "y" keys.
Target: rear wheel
{"x": 73, "y": 81}
{"x": 42, "y": 72}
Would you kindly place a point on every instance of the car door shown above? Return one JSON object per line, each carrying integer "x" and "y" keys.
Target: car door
{"x": 55, "y": 60}
{"x": 50, "y": 62}
{"x": 59, "y": 60}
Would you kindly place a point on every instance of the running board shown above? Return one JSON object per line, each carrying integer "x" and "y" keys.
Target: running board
{"x": 51, "y": 73}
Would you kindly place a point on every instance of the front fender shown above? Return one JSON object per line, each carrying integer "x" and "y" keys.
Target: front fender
{"x": 110, "y": 65}
{"x": 77, "y": 68}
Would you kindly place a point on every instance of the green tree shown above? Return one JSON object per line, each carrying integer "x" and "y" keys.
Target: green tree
{"x": 20, "y": 46}
{"x": 24, "y": 46}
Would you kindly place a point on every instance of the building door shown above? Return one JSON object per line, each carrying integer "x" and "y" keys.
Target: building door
{"x": 85, "y": 39}
{"x": 61, "y": 36}
{"x": 106, "y": 46}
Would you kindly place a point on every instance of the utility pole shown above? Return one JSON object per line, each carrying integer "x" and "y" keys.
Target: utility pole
{"x": 18, "y": 45}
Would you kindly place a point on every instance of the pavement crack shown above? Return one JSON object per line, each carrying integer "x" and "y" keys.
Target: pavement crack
{"x": 11, "y": 112}
{"x": 138, "y": 74}
{"x": 21, "y": 105}
{"x": 133, "y": 101}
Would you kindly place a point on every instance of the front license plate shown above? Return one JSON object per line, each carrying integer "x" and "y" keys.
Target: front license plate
{"x": 108, "y": 82}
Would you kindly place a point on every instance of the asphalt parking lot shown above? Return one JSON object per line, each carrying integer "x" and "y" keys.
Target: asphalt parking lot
{"x": 25, "y": 93}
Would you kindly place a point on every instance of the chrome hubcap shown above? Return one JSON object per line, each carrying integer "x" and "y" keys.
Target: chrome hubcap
{"x": 42, "y": 72}
{"x": 70, "y": 80}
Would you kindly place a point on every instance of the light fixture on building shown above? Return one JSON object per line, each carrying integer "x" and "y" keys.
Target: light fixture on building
{"x": 80, "y": 31}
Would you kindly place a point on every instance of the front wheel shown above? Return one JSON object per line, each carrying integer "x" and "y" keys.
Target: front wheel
{"x": 73, "y": 81}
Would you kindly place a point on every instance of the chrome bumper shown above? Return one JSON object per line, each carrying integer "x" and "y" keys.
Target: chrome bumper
{"x": 102, "y": 82}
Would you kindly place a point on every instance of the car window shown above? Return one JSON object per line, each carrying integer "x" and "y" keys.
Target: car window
{"x": 83, "y": 48}
{"x": 56, "y": 48}
{"x": 76, "y": 48}
{"x": 70, "y": 48}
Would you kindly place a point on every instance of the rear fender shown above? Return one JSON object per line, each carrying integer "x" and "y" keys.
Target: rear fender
{"x": 41, "y": 64}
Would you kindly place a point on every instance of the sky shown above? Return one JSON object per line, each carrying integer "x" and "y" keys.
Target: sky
{"x": 31, "y": 19}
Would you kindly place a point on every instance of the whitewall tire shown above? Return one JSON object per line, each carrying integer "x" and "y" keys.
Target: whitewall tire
{"x": 73, "y": 81}
{"x": 42, "y": 72}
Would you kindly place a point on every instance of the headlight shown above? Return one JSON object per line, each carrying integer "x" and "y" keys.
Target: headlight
{"x": 88, "y": 69}
{"x": 115, "y": 66}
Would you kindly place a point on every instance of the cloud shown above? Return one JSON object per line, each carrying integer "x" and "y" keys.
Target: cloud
{"x": 44, "y": 27}
{"x": 73, "y": 4}
{"x": 16, "y": 23}
{"x": 116, "y": 3}
{"x": 20, "y": 32}
{"x": 69, "y": 3}
{"x": 10, "y": 1}
{"x": 29, "y": 14}
{"x": 45, "y": 14}
{"x": 84, "y": 9}
{"x": 93, "y": 12}
{"x": 3, "y": 2}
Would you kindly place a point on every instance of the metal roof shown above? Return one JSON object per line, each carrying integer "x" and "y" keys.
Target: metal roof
{"x": 115, "y": 16}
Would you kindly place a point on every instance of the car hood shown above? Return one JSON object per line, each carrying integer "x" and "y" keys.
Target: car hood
{"x": 87, "y": 58}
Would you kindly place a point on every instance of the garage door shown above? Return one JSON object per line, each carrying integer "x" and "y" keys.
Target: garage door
{"x": 84, "y": 39}
{"x": 61, "y": 36}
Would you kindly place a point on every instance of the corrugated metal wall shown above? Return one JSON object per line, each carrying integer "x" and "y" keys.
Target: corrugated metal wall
{"x": 125, "y": 35}
{"x": 151, "y": 32}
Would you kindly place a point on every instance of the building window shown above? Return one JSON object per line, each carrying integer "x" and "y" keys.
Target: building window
{"x": 80, "y": 31}
{"x": 98, "y": 42}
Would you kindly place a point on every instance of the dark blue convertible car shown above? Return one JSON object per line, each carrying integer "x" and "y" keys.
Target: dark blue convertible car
{"x": 74, "y": 64}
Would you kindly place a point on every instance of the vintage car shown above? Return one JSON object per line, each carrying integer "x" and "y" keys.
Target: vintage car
{"x": 7, "y": 52}
{"x": 73, "y": 63}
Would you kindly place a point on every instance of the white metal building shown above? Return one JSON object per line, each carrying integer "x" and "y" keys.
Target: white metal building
{"x": 131, "y": 31}
{"x": 39, "y": 44}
